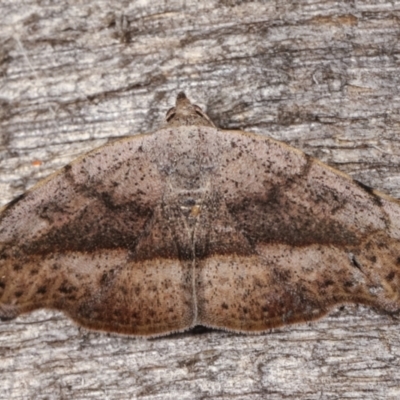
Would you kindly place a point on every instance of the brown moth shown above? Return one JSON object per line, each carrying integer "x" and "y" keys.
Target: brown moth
{"x": 192, "y": 225}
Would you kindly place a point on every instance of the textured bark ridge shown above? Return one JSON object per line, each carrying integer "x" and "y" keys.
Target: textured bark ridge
{"x": 192, "y": 225}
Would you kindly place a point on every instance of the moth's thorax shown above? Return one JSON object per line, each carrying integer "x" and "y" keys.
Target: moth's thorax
{"x": 189, "y": 159}
{"x": 188, "y": 173}
{"x": 188, "y": 190}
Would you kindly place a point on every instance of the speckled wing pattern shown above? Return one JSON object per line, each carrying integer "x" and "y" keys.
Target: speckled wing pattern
{"x": 192, "y": 225}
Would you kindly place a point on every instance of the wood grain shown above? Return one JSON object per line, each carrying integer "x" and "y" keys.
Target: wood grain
{"x": 320, "y": 76}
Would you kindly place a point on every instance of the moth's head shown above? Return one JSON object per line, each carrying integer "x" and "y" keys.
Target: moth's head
{"x": 186, "y": 113}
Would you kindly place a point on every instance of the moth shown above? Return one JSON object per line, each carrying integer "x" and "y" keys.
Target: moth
{"x": 193, "y": 225}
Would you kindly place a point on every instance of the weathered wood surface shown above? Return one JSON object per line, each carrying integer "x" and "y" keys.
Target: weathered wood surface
{"x": 322, "y": 76}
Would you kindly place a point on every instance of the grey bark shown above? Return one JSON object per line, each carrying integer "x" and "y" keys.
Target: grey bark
{"x": 322, "y": 76}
